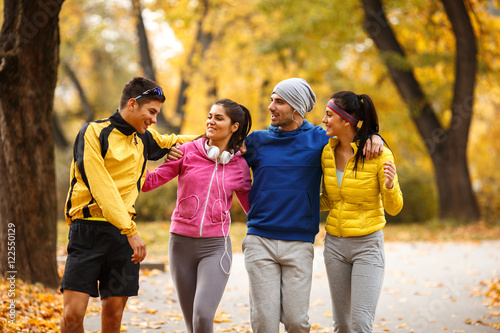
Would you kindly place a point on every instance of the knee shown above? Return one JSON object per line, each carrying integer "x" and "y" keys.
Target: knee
{"x": 362, "y": 324}
{"x": 203, "y": 322}
{"x": 71, "y": 322}
{"x": 112, "y": 311}
{"x": 297, "y": 324}
{"x": 339, "y": 327}
{"x": 115, "y": 316}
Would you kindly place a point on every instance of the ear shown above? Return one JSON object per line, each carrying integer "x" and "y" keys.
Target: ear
{"x": 132, "y": 104}
{"x": 234, "y": 127}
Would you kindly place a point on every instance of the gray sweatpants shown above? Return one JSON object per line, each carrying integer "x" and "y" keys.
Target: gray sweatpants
{"x": 355, "y": 270}
{"x": 195, "y": 266}
{"x": 280, "y": 276}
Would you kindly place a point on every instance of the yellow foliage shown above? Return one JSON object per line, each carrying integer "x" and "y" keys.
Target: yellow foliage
{"x": 32, "y": 309}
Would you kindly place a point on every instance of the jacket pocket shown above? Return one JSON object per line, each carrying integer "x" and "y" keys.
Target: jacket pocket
{"x": 188, "y": 206}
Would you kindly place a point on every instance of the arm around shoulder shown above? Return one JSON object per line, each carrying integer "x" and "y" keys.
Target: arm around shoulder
{"x": 169, "y": 140}
{"x": 246, "y": 183}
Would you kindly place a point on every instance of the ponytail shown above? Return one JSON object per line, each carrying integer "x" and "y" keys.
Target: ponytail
{"x": 245, "y": 129}
{"x": 369, "y": 126}
{"x": 238, "y": 114}
{"x": 360, "y": 107}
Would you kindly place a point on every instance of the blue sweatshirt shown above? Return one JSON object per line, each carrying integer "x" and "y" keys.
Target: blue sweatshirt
{"x": 286, "y": 168}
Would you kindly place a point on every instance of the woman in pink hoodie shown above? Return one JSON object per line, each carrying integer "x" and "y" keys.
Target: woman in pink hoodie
{"x": 210, "y": 170}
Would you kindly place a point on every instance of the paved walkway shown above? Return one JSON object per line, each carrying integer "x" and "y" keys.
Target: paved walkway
{"x": 428, "y": 288}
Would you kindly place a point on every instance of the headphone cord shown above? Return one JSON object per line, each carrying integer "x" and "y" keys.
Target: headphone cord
{"x": 224, "y": 219}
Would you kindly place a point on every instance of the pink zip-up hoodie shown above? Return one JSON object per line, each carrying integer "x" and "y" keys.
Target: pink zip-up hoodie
{"x": 205, "y": 190}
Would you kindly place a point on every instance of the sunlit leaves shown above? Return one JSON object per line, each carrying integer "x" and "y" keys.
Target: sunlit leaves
{"x": 491, "y": 298}
{"x": 37, "y": 309}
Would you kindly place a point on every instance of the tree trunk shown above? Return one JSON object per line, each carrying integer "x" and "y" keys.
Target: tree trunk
{"x": 447, "y": 147}
{"x": 201, "y": 44}
{"x": 87, "y": 110}
{"x": 59, "y": 138}
{"x": 29, "y": 56}
{"x": 146, "y": 61}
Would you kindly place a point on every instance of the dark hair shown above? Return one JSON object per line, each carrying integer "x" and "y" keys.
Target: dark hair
{"x": 135, "y": 88}
{"x": 362, "y": 108}
{"x": 238, "y": 114}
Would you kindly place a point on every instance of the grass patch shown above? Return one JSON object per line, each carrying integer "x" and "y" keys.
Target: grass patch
{"x": 156, "y": 234}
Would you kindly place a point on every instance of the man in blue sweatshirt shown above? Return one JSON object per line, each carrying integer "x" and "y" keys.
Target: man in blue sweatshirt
{"x": 284, "y": 216}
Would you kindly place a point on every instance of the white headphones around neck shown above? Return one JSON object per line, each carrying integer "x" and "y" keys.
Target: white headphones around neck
{"x": 213, "y": 153}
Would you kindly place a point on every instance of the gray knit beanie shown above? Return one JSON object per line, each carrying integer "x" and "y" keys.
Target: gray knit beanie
{"x": 298, "y": 93}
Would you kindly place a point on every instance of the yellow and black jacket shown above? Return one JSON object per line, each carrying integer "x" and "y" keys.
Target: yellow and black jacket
{"x": 357, "y": 206}
{"x": 108, "y": 170}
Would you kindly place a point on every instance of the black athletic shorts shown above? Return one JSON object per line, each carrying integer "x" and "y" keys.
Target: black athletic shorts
{"x": 99, "y": 257}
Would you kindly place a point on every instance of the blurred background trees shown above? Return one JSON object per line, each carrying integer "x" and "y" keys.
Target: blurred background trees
{"x": 200, "y": 50}
{"x": 206, "y": 49}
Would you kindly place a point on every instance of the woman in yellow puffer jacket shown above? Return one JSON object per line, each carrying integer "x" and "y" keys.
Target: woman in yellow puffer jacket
{"x": 356, "y": 191}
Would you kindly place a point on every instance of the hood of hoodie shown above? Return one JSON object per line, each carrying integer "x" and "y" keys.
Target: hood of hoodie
{"x": 306, "y": 126}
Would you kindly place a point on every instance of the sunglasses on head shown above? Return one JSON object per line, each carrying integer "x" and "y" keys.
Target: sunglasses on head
{"x": 152, "y": 91}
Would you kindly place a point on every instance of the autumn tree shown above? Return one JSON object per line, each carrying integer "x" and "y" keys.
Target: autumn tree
{"x": 146, "y": 61}
{"x": 446, "y": 143}
{"x": 29, "y": 48}
{"x": 201, "y": 44}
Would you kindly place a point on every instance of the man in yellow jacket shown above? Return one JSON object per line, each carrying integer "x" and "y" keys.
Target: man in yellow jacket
{"x": 107, "y": 173}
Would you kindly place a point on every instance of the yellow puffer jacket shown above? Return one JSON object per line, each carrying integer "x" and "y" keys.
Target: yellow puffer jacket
{"x": 357, "y": 207}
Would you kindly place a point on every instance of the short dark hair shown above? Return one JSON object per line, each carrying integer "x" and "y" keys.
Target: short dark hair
{"x": 136, "y": 87}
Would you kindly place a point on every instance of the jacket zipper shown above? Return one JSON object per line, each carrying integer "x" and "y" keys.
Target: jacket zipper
{"x": 341, "y": 196}
{"x": 362, "y": 216}
{"x": 341, "y": 205}
{"x": 208, "y": 196}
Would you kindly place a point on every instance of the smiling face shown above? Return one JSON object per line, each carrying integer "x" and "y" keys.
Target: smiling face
{"x": 333, "y": 122}
{"x": 141, "y": 117}
{"x": 218, "y": 124}
{"x": 282, "y": 113}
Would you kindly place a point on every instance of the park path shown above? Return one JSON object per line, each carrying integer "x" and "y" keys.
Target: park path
{"x": 428, "y": 288}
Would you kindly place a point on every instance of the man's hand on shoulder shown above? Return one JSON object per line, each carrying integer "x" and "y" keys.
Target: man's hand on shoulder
{"x": 174, "y": 153}
{"x": 243, "y": 148}
{"x": 139, "y": 247}
{"x": 374, "y": 147}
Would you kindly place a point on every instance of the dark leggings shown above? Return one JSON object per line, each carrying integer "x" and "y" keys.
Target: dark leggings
{"x": 195, "y": 266}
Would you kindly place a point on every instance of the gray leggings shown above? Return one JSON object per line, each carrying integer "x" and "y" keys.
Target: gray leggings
{"x": 355, "y": 270}
{"x": 195, "y": 266}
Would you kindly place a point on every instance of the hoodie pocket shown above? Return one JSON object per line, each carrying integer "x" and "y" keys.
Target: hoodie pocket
{"x": 219, "y": 214}
{"x": 188, "y": 207}
{"x": 281, "y": 205}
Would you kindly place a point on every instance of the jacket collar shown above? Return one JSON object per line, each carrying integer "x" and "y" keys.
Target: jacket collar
{"x": 304, "y": 127}
{"x": 334, "y": 141}
{"x": 121, "y": 125}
